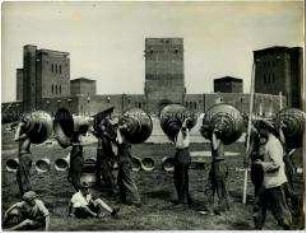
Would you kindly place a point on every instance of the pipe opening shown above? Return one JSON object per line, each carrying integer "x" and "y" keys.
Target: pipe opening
{"x": 147, "y": 164}
{"x": 12, "y": 165}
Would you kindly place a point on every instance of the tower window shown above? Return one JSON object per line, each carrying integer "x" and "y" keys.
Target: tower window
{"x": 60, "y": 69}
{"x": 52, "y": 89}
{"x": 60, "y": 89}
{"x": 52, "y": 68}
{"x": 55, "y": 89}
{"x": 56, "y": 69}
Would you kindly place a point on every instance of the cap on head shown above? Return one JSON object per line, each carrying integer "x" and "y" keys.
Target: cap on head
{"x": 264, "y": 124}
{"x": 85, "y": 185}
{"x": 29, "y": 196}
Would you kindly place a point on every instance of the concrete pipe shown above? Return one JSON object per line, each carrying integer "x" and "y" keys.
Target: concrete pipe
{"x": 227, "y": 119}
{"x": 38, "y": 126}
{"x": 168, "y": 164}
{"x": 62, "y": 164}
{"x": 136, "y": 164}
{"x": 139, "y": 125}
{"x": 11, "y": 165}
{"x": 66, "y": 125}
{"x": 43, "y": 165}
{"x": 147, "y": 164}
{"x": 172, "y": 117}
{"x": 294, "y": 121}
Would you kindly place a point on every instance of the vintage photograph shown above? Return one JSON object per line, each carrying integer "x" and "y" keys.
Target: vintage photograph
{"x": 152, "y": 115}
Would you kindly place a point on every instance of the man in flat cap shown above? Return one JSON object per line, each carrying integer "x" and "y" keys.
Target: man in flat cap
{"x": 29, "y": 214}
{"x": 106, "y": 134}
{"x": 271, "y": 195}
{"x": 82, "y": 205}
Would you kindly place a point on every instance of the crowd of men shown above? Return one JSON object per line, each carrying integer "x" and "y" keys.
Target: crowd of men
{"x": 272, "y": 172}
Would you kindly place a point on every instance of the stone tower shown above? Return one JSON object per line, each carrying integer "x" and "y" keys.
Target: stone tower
{"x": 45, "y": 74}
{"x": 164, "y": 72}
{"x": 279, "y": 69}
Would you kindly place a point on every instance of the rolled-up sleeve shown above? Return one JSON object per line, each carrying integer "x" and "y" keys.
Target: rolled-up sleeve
{"x": 43, "y": 209}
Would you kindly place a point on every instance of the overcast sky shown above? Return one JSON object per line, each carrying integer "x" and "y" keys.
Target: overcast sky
{"x": 106, "y": 39}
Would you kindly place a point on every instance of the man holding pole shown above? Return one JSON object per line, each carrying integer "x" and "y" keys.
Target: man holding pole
{"x": 271, "y": 193}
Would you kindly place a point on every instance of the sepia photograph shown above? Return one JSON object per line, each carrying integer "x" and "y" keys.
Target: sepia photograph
{"x": 152, "y": 115}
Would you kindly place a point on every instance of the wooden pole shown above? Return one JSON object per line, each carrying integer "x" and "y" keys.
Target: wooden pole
{"x": 280, "y": 100}
{"x": 245, "y": 181}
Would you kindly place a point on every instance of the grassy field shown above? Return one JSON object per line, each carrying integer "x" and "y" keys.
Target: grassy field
{"x": 156, "y": 190}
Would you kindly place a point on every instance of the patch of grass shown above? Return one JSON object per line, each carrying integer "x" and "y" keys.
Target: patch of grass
{"x": 156, "y": 189}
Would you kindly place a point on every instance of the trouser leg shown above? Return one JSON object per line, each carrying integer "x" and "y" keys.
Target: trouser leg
{"x": 23, "y": 173}
{"x": 108, "y": 178}
{"x": 75, "y": 172}
{"x": 128, "y": 189}
{"x": 99, "y": 165}
{"x": 219, "y": 175}
{"x": 102, "y": 205}
{"x": 279, "y": 207}
{"x": 185, "y": 184}
{"x": 259, "y": 209}
{"x": 177, "y": 181}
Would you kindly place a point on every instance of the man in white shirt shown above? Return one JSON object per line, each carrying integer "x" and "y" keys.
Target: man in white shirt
{"x": 82, "y": 205}
{"x": 271, "y": 195}
{"x": 182, "y": 163}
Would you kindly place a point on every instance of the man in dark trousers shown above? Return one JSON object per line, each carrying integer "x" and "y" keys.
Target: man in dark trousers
{"x": 106, "y": 134}
{"x": 24, "y": 156}
{"x": 182, "y": 163}
{"x": 127, "y": 187}
{"x": 271, "y": 194}
{"x": 219, "y": 170}
{"x": 291, "y": 188}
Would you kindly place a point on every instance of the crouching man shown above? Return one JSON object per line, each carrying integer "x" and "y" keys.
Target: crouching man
{"x": 29, "y": 214}
{"x": 82, "y": 205}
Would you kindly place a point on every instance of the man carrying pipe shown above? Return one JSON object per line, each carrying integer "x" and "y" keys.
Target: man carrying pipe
{"x": 219, "y": 170}
{"x": 29, "y": 214}
{"x": 127, "y": 187}
{"x": 182, "y": 161}
{"x": 25, "y": 162}
{"x": 106, "y": 135}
